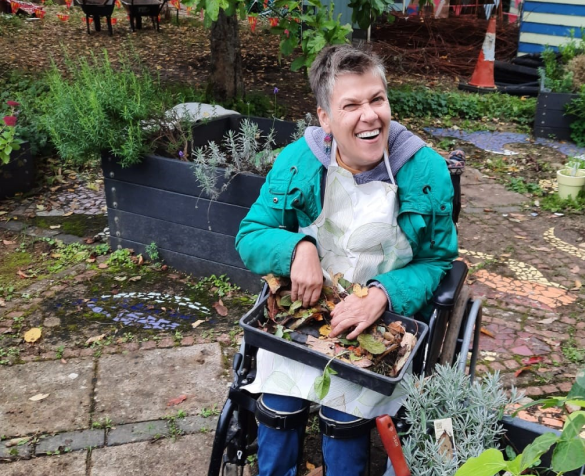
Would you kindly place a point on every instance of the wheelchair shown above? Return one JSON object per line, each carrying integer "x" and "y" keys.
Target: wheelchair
{"x": 454, "y": 330}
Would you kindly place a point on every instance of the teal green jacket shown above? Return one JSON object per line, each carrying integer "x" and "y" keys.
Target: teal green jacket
{"x": 291, "y": 198}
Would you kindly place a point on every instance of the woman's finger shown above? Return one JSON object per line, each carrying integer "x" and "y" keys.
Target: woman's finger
{"x": 357, "y": 331}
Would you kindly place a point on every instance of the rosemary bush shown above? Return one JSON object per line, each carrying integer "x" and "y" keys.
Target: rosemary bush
{"x": 475, "y": 410}
{"x": 93, "y": 107}
{"x": 243, "y": 151}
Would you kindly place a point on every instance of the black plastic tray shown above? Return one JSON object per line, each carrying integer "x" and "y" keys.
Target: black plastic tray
{"x": 293, "y": 350}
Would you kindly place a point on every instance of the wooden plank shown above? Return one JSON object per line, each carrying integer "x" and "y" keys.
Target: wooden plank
{"x": 177, "y": 176}
{"x": 562, "y": 20}
{"x": 198, "y": 267}
{"x": 179, "y": 208}
{"x": 543, "y": 39}
{"x": 551, "y": 29}
{"x": 174, "y": 237}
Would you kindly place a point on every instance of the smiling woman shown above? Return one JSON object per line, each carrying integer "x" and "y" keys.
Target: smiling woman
{"x": 360, "y": 197}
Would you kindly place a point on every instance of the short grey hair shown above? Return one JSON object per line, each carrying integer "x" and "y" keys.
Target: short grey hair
{"x": 336, "y": 60}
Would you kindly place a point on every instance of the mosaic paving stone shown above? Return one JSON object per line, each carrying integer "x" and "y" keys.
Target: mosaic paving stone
{"x": 495, "y": 141}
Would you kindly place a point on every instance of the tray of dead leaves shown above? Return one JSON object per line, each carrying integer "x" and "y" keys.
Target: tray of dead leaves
{"x": 377, "y": 359}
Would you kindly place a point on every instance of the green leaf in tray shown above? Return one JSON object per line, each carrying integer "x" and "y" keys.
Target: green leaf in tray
{"x": 347, "y": 342}
{"x": 368, "y": 342}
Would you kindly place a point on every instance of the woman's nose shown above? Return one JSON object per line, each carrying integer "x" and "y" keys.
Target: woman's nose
{"x": 368, "y": 113}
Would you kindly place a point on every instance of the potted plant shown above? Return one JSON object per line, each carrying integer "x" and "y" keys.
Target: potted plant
{"x": 456, "y": 427}
{"x": 562, "y": 77}
{"x": 571, "y": 179}
{"x": 160, "y": 185}
{"x": 16, "y": 164}
{"x": 546, "y": 451}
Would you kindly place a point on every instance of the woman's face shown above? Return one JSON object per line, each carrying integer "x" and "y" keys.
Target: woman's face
{"x": 359, "y": 119}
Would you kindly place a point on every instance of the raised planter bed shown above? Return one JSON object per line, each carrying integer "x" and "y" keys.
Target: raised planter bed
{"x": 18, "y": 175}
{"x": 160, "y": 201}
{"x": 551, "y": 121}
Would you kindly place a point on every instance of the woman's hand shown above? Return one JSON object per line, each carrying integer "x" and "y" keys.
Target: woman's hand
{"x": 358, "y": 312}
{"x": 306, "y": 275}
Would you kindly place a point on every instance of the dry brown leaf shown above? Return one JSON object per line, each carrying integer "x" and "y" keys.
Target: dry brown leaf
{"x": 68, "y": 214}
{"x": 90, "y": 260}
{"x": 39, "y": 396}
{"x": 32, "y": 335}
{"x": 176, "y": 401}
{"x": 103, "y": 265}
{"x": 23, "y": 275}
{"x": 93, "y": 339}
{"x": 2, "y": 302}
{"x": 309, "y": 466}
{"x": 7, "y": 243}
{"x": 120, "y": 278}
{"x": 325, "y": 330}
{"x": 196, "y": 324}
{"x": 326, "y": 347}
{"x": 362, "y": 363}
{"x": 578, "y": 285}
{"x": 520, "y": 370}
{"x": 135, "y": 278}
{"x": 140, "y": 260}
{"x": 220, "y": 308}
{"x": 54, "y": 227}
{"x": 273, "y": 282}
{"x": 487, "y": 332}
{"x": 360, "y": 291}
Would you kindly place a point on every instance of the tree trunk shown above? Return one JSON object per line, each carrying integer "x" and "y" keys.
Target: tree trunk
{"x": 226, "y": 80}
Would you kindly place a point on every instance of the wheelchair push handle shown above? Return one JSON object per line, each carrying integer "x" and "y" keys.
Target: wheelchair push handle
{"x": 391, "y": 442}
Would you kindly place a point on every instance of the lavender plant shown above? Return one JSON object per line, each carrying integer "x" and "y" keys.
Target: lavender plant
{"x": 474, "y": 408}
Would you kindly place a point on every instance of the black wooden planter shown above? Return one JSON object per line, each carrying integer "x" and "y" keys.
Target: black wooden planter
{"x": 160, "y": 201}
{"x": 551, "y": 121}
{"x": 18, "y": 175}
{"x": 520, "y": 433}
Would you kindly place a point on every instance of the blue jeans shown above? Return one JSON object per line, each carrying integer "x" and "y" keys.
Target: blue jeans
{"x": 279, "y": 450}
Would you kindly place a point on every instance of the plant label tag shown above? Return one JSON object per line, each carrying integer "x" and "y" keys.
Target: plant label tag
{"x": 444, "y": 436}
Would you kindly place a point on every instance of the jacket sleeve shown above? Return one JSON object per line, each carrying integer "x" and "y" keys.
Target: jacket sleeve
{"x": 268, "y": 234}
{"x": 426, "y": 220}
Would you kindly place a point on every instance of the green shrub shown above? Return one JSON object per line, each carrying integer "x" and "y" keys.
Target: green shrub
{"x": 93, "y": 107}
{"x": 556, "y": 75}
{"x": 423, "y": 102}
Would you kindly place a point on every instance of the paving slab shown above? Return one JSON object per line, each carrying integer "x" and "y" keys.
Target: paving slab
{"x": 187, "y": 456}
{"x": 137, "y": 386}
{"x": 481, "y": 192}
{"x": 70, "y": 464}
{"x": 71, "y": 440}
{"x": 134, "y": 432}
{"x": 65, "y": 408}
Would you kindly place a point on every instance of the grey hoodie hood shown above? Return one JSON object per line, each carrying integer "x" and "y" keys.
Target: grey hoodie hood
{"x": 402, "y": 145}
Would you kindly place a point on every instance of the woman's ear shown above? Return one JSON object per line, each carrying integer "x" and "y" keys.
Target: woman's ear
{"x": 323, "y": 119}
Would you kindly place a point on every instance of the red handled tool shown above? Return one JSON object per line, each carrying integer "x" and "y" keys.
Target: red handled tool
{"x": 392, "y": 445}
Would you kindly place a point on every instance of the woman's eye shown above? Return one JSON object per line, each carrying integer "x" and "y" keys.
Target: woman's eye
{"x": 378, "y": 99}
{"x": 350, "y": 107}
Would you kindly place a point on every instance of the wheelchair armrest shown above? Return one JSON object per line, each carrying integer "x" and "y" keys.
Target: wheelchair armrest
{"x": 445, "y": 295}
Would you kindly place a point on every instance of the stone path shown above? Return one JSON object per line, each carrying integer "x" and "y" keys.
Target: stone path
{"x": 107, "y": 414}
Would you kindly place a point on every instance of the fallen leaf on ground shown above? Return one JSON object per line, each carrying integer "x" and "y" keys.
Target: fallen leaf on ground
{"x": 325, "y": 330}
{"x": 54, "y": 227}
{"x": 520, "y": 370}
{"x": 120, "y": 278}
{"x": 309, "y": 466}
{"x": 220, "y": 308}
{"x": 32, "y": 335}
{"x": 578, "y": 285}
{"x": 2, "y": 302}
{"x": 196, "y": 324}
{"x": 176, "y": 401}
{"x": 68, "y": 214}
{"x": 575, "y": 269}
{"x": 532, "y": 360}
{"x": 3, "y": 213}
{"x": 23, "y": 275}
{"x": 63, "y": 361}
{"x": 6, "y": 242}
{"x": 273, "y": 282}
{"x": 103, "y": 265}
{"x": 40, "y": 207}
{"x": 140, "y": 260}
{"x": 16, "y": 442}
{"x": 487, "y": 332}
{"x": 93, "y": 339}
{"x": 548, "y": 320}
{"x": 135, "y": 278}
{"x": 39, "y": 396}
{"x": 89, "y": 241}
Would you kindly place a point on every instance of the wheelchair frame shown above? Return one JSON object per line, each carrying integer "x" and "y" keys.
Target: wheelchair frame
{"x": 236, "y": 429}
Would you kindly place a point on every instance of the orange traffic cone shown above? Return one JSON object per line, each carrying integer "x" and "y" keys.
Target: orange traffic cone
{"x": 483, "y": 75}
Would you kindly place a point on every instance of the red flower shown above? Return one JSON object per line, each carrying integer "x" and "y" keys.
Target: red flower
{"x": 10, "y": 120}
{"x": 13, "y": 103}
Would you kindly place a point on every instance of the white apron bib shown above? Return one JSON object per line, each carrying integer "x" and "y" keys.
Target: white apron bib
{"x": 358, "y": 235}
